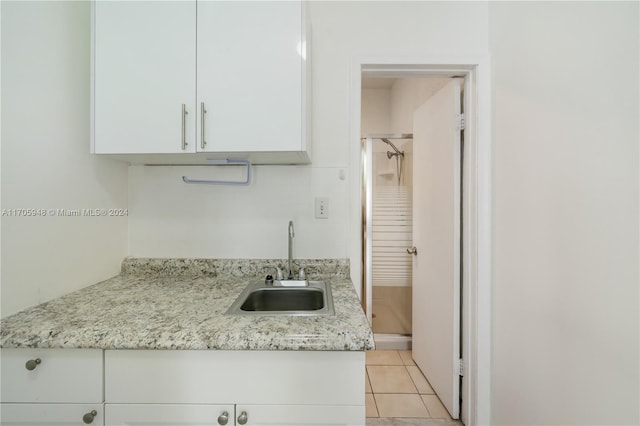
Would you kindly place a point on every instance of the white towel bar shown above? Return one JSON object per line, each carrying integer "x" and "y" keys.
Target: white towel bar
{"x": 245, "y": 182}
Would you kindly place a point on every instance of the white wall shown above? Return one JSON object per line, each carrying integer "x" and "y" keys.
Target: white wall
{"x": 172, "y": 219}
{"x": 376, "y": 111}
{"x": 407, "y": 95}
{"x": 565, "y": 212}
{"x": 46, "y": 162}
{"x": 176, "y": 220}
{"x": 390, "y": 110}
{"x": 345, "y": 31}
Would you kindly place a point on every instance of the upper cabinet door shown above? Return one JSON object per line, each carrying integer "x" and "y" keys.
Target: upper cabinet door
{"x": 144, "y": 71}
{"x": 250, "y": 76}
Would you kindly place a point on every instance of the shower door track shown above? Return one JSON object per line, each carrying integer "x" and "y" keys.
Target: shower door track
{"x": 385, "y": 341}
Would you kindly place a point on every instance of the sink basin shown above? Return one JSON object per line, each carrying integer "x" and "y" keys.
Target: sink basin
{"x": 262, "y": 299}
{"x": 284, "y": 299}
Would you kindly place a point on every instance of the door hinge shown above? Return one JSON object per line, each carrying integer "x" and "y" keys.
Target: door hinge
{"x": 460, "y": 367}
{"x": 461, "y": 122}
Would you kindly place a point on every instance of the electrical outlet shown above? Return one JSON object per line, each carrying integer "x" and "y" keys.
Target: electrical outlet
{"x": 322, "y": 208}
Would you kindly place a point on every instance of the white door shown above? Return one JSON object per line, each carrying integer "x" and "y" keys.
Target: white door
{"x": 145, "y": 71}
{"x": 436, "y": 236}
{"x": 250, "y": 75}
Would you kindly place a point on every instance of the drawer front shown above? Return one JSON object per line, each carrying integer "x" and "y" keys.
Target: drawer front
{"x": 52, "y": 375}
{"x": 302, "y": 415}
{"x": 168, "y": 415}
{"x": 260, "y": 377}
{"x": 51, "y": 414}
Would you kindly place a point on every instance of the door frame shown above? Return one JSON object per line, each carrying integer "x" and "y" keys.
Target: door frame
{"x": 476, "y": 256}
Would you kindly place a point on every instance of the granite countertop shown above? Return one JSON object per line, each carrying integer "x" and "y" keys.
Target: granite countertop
{"x": 180, "y": 304}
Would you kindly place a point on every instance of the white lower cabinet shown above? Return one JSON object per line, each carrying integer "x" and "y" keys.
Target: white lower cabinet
{"x": 181, "y": 387}
{"x": 52, "y": 375}
{"x": 51, "y": 387}
{"x": 255, "y": 387}
{"x": 301, "y": 415}
{"x": 168, "y": 415}
{"x": 230, "y": 415}
{"x": 51, "y": 414}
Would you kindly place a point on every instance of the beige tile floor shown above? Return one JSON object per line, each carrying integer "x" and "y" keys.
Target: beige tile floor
{"x": 396, "y": 388}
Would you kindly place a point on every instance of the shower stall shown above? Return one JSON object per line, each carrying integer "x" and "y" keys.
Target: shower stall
{"x": 387, "y": 217}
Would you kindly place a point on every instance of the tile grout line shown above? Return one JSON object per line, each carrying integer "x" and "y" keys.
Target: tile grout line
{"x": 413, "y": 381}
{"x": 375, "y": 402}
{"x": 418, "y": 390}
{"x": 373, "y": 395}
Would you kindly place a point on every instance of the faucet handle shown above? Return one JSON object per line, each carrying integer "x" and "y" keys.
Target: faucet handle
{"x": 279, "y": 274}
{"x": 301, "y": 274}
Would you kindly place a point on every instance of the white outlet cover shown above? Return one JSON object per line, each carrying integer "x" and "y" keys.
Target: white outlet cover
{"x": 322, "y": 208}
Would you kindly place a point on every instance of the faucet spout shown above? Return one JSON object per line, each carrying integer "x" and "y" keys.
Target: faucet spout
{"x": 291, "y": 235}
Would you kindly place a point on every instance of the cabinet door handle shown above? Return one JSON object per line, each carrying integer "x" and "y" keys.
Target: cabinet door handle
{"x": 88, "y": 418}
{"x": 242, "y": 418}
{"x": 203, "y": 111}
{"x": 184, "y": 127}
{"x": 32, "y": 364}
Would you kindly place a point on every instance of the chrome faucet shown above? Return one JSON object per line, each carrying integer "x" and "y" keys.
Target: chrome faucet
{"x": 291, "y": 235}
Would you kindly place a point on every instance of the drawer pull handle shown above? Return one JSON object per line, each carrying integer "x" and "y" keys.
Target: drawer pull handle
{"x": 88, "y": 418}
{"x": 242, "y": 418}
{"x": 223, "y": 419}
{"x": 32, "y": 364}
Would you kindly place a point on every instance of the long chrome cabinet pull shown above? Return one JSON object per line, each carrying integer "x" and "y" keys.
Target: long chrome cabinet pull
{"x": 184, "y": 125}
{"x": 203, "y": 111}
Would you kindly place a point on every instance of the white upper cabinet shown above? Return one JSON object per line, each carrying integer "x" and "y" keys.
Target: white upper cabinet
{"x": 211, "y": 79}
{"x": 144, "y": 72}
{"x": 250, "y": 75}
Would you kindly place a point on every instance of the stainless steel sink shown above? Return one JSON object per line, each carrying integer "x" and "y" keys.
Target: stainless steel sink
{"x": 264, "y": 299}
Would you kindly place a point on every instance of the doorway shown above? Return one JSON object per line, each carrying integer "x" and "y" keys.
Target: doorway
{"x": 402, "y": 213}
{"x": 475, "y": 312}
{"x": 388, "y": 105}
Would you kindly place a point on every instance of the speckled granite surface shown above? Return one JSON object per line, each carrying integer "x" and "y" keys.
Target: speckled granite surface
{"x": 167, "y": 304}
{"x": 338, "y": 268}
